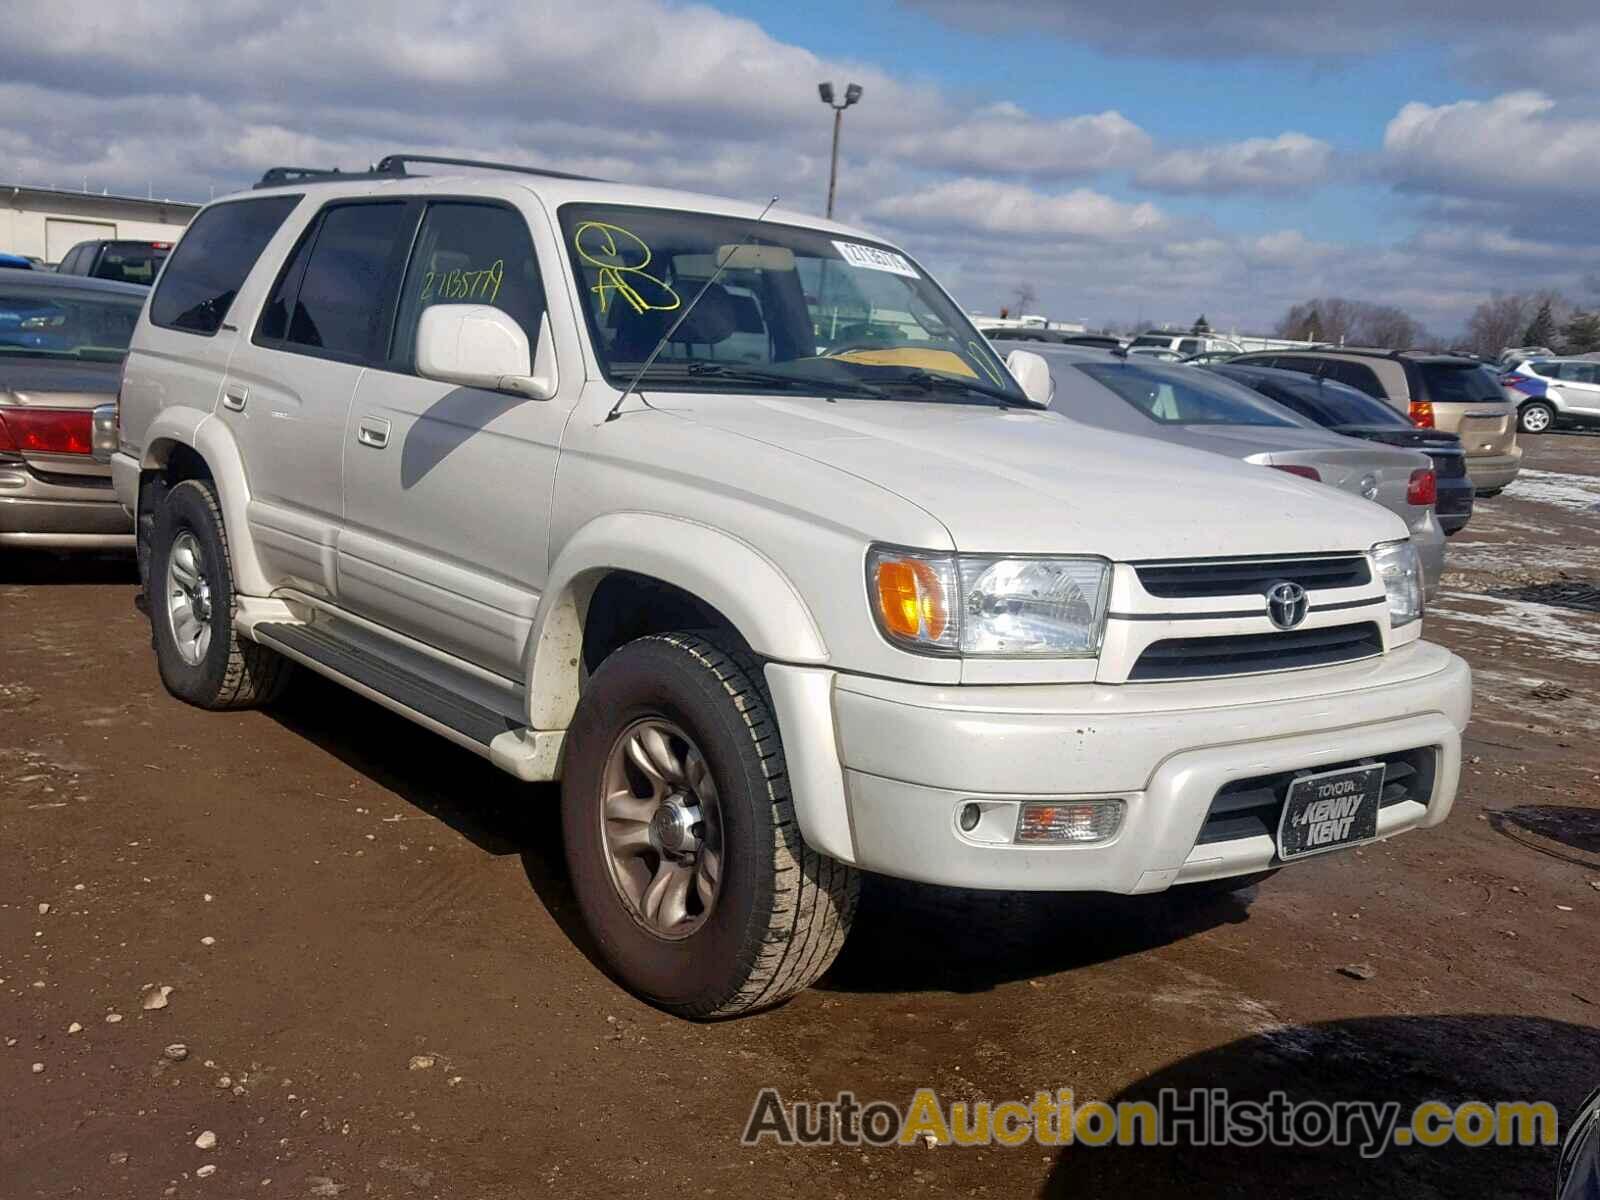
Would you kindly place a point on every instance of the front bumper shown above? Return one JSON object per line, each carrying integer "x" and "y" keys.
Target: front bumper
{"x": 1490, "y": 472}
{"x": 911, "y": 755}
{"x": 59, "y": 514}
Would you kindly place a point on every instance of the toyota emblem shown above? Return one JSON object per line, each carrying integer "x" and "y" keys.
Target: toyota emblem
{"x": 1286, "y": 604}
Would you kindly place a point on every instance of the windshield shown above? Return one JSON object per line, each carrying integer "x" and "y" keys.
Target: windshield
{"x": 1185, "y": 396}
{"x": 64, "y": 323}
{"x": 131, "y": 262}
{"x": 794, "y": 310}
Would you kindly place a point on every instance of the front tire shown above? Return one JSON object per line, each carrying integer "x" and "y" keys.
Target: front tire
{"x": 202, "y": 658}
{"x": 681, "y": 838}
{"x": 1536, "y": 417}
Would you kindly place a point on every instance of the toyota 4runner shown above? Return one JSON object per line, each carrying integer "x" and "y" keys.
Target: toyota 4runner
{"x": 728, "y": 519}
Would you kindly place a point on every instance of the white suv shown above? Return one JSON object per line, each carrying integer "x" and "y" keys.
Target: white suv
{"x": 730, "y": 520}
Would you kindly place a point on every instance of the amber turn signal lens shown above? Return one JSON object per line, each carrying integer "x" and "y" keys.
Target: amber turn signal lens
{"x": 911, "y": 599}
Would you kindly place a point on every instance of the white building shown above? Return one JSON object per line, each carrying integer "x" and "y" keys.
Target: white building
{"x": 44, "y": 223}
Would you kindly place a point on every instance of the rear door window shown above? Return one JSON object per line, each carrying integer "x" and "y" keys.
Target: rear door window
{"x": 469, "y": 253}
{"x": 212, "y": 260}
{"x": 1357, "y": 375}
{"x": 1459, "y": 383}
{"x": 347, "y": 290}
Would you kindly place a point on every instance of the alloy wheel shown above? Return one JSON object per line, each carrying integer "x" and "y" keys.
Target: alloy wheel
{"x": 661, "y": 828}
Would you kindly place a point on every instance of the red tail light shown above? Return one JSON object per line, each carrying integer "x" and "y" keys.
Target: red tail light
{"x": 1421, "y": 414}
{"x": 1304, "y": 472}
{"x": 47, "y": 430}
{"x": 1423, "y": 488}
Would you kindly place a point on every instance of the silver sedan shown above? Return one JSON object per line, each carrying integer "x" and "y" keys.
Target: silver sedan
{"x": 1180, "y": 404}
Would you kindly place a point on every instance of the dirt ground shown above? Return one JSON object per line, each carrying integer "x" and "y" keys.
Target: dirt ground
{"x": 378, "y": 973}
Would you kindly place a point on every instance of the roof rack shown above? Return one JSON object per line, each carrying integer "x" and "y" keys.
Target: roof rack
{"x": 393, "y": 166}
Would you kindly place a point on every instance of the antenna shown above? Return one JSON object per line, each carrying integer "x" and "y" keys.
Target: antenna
{"x": 684, "y": 316}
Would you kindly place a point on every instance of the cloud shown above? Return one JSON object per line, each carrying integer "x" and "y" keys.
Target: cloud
{"x": 1515, "y": 145}
{"x": 1253, "y": 29}
{"x": 993, "y": 207}
{"x": 1290, "y": 162}
{"x": 1006, "y": 140}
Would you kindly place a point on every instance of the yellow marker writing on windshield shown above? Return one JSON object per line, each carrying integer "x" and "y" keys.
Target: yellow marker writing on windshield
{"x": 604, "y": 247}
{"x": 983, "y": 361}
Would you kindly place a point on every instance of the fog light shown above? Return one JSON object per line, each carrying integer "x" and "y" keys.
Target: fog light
{"x": 970, "y": 814}
{"x": 1073, "y": 821}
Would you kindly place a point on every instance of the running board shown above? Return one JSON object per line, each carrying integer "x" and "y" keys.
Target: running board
{"x": 526, "y": 753}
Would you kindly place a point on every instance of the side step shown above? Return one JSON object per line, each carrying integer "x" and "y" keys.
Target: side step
{"x": 471, "y": 723}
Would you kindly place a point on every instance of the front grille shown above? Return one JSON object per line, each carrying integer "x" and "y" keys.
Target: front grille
{"x": 1240, "y": 577}
{"x": 1249, "y": 653}
{"x": 1251, "y": 807}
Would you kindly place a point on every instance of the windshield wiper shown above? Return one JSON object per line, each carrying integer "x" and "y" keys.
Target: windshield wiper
{"x": 930, "y": 381}
{"x": 741, "y": 372}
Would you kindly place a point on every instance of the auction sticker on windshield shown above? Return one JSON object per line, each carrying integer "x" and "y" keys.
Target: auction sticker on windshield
{"x": 871, "y": 258}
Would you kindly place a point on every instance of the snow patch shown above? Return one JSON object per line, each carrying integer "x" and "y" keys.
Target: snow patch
{"x": 1577, "y": 493}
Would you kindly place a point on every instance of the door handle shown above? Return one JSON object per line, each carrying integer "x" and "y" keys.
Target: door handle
{"x": 373, "y": 431}
{"x": 234, "y": 397}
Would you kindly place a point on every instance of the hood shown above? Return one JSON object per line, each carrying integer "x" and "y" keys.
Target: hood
{"x": 51, "y": 381}
{"x": 1034, "y": 482}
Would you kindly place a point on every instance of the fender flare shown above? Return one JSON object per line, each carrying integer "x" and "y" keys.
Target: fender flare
{"x": 719, "y": 568}
{"x": 213, "y": 441}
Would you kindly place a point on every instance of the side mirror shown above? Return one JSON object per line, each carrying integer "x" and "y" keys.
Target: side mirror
{"x": 1032, "y": 373}
{"x": 477, "y": 345}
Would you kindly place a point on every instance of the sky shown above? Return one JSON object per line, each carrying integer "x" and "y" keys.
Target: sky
{"x": 1138, "y": 163}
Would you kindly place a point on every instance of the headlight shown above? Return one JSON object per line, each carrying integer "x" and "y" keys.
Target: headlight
{"x": 1400, "y": 569}
{"x": 989, "y": 607}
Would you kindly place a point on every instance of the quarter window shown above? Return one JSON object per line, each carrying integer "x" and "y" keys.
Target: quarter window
{"x": 469, "y": 254}
{"x": 212, "y": 260}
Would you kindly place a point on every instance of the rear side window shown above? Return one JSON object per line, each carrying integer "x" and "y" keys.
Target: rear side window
{"x": 1459, "y": 383}
{"x": 469, "y": 253}
{"x": 211, "y": 262}
{"x": 345, "y": 291}
{"x": 1306, "y": 366}
{"x": 1357, "y": 375}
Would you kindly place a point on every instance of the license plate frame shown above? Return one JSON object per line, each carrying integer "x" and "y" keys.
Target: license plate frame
{"x": 1360, "y": 822}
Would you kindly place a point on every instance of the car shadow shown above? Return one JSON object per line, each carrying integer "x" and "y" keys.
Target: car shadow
{"x": 498, "y": 814}
{"x": 912, "y": 937}
{"x": 1407, "y": 1059}
{"x": 972, "y": 940}
{"x": 50, "y": 569}
{"x": 1568, "y": 826}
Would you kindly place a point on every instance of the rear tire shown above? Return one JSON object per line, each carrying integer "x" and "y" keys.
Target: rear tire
{"x": 1536, "y": 417}
{"x": 202, "y": 658}
{"x": 775, "y": 913}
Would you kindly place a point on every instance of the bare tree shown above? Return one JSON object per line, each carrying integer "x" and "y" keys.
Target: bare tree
{"x": 1497, "y": 323}
{"x": 1386, "y": 327}
{"x": 1026, "y": 297}
{"x": 1338, "y": 321}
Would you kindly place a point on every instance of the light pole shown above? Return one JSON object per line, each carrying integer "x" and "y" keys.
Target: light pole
{"x": 852, "y": 93}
